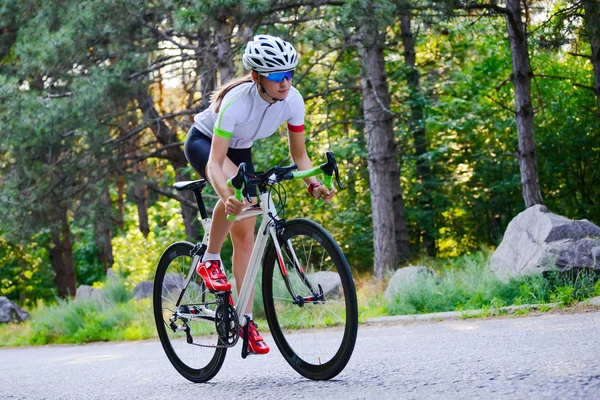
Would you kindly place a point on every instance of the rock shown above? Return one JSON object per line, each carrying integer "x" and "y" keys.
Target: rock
{"x": 143, "y": 290}
{"x": 85, "y": 292}
{"x": 538, "y": 240}
{"x": 404, "y": 277}
{"x": 329, "y": 281}
{"x": 11, "y": 312}
{"x": 173, "y": 280}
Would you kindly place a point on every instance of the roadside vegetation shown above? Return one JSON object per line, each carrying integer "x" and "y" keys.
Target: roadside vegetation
{"x": 467, "y": 283}
{"x": 460, "y": 283}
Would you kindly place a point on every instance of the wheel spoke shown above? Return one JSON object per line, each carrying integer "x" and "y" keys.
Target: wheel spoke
{"x": 312, "y": 354}
{"x": 194, "y": 362}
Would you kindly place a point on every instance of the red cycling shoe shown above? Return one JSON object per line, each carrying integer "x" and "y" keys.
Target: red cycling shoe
{"x": 256, "y": 344}
{"x": 211, "y": 273}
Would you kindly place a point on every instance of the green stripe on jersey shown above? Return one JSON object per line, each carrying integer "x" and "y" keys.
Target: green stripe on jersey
{"x": 221, "y": 133}
{"x": 217, "y": 128}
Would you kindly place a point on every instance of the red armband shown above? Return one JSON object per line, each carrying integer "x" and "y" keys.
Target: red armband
{"x": 296, "y": 128}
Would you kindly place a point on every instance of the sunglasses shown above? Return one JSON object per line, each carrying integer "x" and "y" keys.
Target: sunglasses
{"x": 279, "y": 76}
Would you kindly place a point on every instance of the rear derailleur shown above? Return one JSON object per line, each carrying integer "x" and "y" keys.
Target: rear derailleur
{"x": 224, "y": 316}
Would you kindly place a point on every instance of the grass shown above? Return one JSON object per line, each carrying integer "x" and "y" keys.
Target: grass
{"x": 462, "y": 283}
{"x": 115, "y": 317}
{"x": 468, "y": 283}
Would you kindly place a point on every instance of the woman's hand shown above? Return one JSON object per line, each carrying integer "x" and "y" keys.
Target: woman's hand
{"x": 321, "y": 191}
{"x": 233, "y": 206}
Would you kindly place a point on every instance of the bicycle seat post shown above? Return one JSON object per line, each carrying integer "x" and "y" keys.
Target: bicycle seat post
{"x": 200, "y": 202}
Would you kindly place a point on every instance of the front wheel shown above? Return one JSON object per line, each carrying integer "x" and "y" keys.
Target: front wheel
{"x": 310, "y": 300}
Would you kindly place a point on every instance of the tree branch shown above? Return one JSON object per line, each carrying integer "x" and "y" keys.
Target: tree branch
{"x": 137, "y": 130}
{"x": 501, "y": 105}
{"x": 565, "y": 78}
{"x": 58, "y": 95}
{"x": 484, "y": 6}
{"x": 170, "y": 194}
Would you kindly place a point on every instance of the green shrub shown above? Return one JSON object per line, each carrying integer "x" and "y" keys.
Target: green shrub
{"x": 115, "y": 290}
{"x": 468, "y": 283}
{"x": 70, "y": 321}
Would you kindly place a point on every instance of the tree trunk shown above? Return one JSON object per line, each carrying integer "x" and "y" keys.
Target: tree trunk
{"x": 175, "y": 155}
{"x": 61, "y": 255}
{"x": 417, "y": 129}
{"x": 120, "y": 223}
{"x": 517, "y": 36}
{"x": 206, "y": 69}
{"x": 103, "y": 226}
{"x": 224, "y": 53}
{"x": 140, "y": 198}
{"x": 592, "y": 30}
{"x": 382, "y": 161}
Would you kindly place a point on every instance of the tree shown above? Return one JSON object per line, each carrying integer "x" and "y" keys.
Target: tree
{"x": 591, "y": 18}
{"x": 382, "y": 157}
{"x": 517, "y": 36}
{"x": 417, "y": 129}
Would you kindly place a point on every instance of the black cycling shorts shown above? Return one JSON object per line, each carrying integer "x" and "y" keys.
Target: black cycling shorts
{"x": 197, "y": 149}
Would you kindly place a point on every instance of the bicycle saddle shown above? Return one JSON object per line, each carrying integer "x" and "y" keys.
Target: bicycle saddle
{"x": 190, "y": 185}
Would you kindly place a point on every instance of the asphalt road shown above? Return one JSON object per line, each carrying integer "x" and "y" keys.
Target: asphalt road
{"x": 548, "y": 356}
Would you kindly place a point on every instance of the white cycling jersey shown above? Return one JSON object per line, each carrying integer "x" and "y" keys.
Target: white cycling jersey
{"x": 244, "y": 116}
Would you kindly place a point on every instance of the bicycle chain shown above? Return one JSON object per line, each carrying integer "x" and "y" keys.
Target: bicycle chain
{"x": 224, "y": 300}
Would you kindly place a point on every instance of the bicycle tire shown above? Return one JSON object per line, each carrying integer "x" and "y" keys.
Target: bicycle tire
{"x": 195, "y": 363}
{"x": 314, "y": 360}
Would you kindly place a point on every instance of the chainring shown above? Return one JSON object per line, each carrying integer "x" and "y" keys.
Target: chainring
{"x": 227, "y": 324}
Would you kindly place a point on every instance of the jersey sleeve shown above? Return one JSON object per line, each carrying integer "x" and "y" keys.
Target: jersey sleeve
{"x": 296, "y": 120}
{"x": 226, "y": 119}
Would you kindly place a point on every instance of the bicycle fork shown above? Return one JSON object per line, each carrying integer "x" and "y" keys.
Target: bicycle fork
{"x": 298, "y": 300}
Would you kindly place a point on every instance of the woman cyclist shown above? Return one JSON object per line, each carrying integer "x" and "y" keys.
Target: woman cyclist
{"x": 242, "y": 111}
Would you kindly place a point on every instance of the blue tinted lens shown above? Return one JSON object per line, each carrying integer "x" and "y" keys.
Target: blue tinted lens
{"x": 279, "y": 76}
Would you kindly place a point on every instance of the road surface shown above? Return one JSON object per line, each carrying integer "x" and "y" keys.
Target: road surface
{"x": 549, "y": 356}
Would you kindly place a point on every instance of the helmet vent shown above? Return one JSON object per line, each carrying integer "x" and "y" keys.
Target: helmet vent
{"x": 268, "y": 53}
{"x": 256, "y": 60}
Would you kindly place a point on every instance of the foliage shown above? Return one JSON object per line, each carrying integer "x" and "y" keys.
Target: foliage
{"x": 25, "y": 274}
{"x": 136, "y": 256}
{"x": 82, "y": 321}
{"x": 71, "y": 76}
{"x": 468, "y": 283}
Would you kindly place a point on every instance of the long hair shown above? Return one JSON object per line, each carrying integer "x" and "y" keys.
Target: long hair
{"x": 217, "y": 96}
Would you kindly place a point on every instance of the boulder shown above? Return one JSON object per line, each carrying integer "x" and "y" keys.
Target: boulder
{"x": 405, "y": 277}
{"x": 85, "y": 292}
{"x": 174, "y": 280}
{"x": 538, "y": 240}
{"x": 11, "y": 312}
{"x": 329, "y": 281}
{"x": 143, "y": 290}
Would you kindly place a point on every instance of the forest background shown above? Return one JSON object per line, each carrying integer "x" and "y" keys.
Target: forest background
{"x": 416, "y": 99}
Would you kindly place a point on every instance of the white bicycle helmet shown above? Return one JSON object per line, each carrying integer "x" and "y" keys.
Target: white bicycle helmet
{"x": 267, "y": 53}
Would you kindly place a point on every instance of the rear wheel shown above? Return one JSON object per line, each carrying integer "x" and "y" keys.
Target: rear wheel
{"x": 316, "y": 335}
{"x": 190, "y": 319}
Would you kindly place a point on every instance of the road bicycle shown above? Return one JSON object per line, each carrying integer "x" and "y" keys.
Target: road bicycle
{"x": 307, "y": 287}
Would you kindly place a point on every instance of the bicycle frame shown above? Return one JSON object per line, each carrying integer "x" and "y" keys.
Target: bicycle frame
{"x": 267, "y": 228}
{"x": 266, "y": 208}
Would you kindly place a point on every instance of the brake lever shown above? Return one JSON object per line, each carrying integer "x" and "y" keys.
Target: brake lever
{"x": 329, "y": 169}
{"x": 238, "y": 182}
{"x": 336, "y": 171}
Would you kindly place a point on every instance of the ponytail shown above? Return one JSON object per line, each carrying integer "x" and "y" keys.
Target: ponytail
{"x": 217, "y": 96}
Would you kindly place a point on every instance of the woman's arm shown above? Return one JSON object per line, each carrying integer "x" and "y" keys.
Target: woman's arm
{"x": 300, "y": 158}
{"x": 217, "y": 177}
